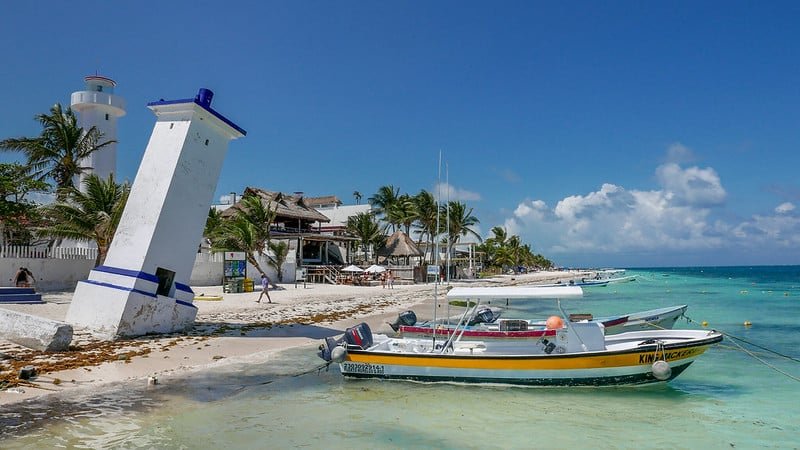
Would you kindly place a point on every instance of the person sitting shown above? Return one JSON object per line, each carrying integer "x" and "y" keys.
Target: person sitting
{"x": 23, "y": 277}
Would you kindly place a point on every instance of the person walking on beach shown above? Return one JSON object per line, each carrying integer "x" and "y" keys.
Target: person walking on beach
{"x": 390, "y": 279}
{"x": 383, "y": 280}
{"x": 264, "y": 288}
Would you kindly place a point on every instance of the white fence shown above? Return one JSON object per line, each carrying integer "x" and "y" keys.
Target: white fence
{"x": 19, "y": 251}
{"x": 60, "y": 269}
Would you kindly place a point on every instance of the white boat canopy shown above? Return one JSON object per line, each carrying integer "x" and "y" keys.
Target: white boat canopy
{"x": 521, "y": 292}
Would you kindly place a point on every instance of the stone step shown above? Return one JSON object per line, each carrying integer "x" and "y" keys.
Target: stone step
{"x": 20, "y": 298}
{"x": 16, "y": 290}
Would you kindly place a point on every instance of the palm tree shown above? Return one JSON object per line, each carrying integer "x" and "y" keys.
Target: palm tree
{"x": 90, "y": 216}
{"x": 58, "y": 152}
{"x": 383, "y": 200}
{"x": 461, "y": 220}
{"x": 357, "y": 196}
{"x": 247, "y": 231}
{"x": 213, "y": 222}
{"x": 252, "y": 209}
{"x": 402, "y": 212}
{"x": 281, "y": 250}
{"x": 366, "y": 229}
{"x": 238, "y": 234}
{"x": 427, "y": 214}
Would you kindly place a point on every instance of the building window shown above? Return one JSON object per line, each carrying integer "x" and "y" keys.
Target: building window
{"x": 106, "y": 116}
{"x": 99, "y": 88}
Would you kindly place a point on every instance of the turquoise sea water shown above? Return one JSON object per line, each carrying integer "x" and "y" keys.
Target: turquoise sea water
{"x": 726, "y": 399}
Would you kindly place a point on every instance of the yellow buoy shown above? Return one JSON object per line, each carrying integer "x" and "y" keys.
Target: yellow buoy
{"x": 705, "y": 324}
{"x": 747, "y": 323}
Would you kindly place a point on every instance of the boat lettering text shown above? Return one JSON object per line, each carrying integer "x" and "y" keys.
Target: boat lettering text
{"x": 371, "y": 369}
{"x": 648, "y": 358}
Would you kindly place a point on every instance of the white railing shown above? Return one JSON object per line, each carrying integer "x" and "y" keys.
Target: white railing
{"x": 218, "y": 257}
{"x": 20, "y": 251}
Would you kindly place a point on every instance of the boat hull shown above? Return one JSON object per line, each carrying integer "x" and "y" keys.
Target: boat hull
{"x": 629, "y": 366}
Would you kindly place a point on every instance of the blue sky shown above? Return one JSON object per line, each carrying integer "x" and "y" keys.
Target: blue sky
{"x": 603, "y": 133}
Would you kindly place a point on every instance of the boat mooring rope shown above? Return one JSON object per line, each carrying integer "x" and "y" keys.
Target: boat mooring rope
{"x": 736, "y": 338}
{"x": 750, "y": 353}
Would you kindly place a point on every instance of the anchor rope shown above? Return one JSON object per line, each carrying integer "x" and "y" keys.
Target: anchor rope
{"x": 748, "y": 352}
{"x": 766, "y": 363}
{"x": 689, "y": 319}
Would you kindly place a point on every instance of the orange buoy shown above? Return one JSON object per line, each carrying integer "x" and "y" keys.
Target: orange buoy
{"x": 554, "y": 323}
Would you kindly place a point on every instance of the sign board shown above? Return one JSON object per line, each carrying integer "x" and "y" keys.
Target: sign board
{"x": 234, "y": 265}
{"x": 433, "y": 270}
{"x": 234, "y": 256}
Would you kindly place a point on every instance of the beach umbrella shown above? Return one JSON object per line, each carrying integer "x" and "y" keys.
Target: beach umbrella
{"x": 352, "y": 268}
{"x": 375, "y": 268}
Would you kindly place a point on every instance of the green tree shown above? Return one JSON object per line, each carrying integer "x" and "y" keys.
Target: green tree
{"x": 90, "y": 216}
{"x": 18, "y": 215}
{"x": 383, "y": 200}
{"x": 403, "y": 212}
{"x": 427, "y": 214}
{"x": 57, "y": 153}
{"x": 280, "y": 249}
{"x": 213, "y": 222}
{"x": 246, "y": 231}
{"x": 366, "y": 229}
{"x": 357, "y": 195}
{"x": 460, "y": 222}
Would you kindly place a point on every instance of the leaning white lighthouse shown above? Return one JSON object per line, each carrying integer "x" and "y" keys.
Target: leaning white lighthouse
{"x": 97, "y": 106}
{"x": 143, "y": 285}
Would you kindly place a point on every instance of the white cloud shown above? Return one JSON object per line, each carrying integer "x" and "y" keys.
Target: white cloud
{"x": 452, "y": 193}
{"x": 536, "y": 209}
{"x": 678, "y": 218}
{"x": 784, "y": 208}
{"x": 692, "y": 186}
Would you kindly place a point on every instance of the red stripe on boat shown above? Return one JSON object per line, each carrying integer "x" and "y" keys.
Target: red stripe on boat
{"x": 611, "y": 323}
{"x": 476, "y": 333}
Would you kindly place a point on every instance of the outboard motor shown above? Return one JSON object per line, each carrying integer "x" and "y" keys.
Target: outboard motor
{"x": 484, "y": 314}
{"x": 359, "y": 336}
{"x": 407, "y": 319}
{"x": 334, "y": 350}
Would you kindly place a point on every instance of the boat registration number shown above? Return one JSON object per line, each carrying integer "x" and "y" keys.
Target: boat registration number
{"x": 371, "y": 369}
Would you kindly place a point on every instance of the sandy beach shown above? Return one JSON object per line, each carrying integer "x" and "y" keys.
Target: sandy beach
{"x": 235, "y": 329}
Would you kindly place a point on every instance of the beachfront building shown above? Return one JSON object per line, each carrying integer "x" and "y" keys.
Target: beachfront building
{"x": 98, "y": 106}
{"x": 317, "y": 254}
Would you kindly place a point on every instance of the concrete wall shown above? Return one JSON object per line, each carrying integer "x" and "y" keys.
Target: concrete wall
{"x": 50, "y": 274}
{"x": 64, "y": 274}
{"x": 208, "y": 267}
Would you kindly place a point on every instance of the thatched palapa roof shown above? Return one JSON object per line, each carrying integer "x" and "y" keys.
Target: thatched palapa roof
{"x": 399, "y": 244}
{"x": 287, "y": 207}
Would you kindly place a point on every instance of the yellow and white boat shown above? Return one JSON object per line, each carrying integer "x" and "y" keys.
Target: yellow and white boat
{"x": 565, "y": 354}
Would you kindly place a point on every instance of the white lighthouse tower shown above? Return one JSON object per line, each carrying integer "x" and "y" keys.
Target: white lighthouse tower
{"x": 97, "y": 106}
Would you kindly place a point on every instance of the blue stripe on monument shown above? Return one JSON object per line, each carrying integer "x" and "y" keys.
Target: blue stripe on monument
{"x": 183, "y": 287}
{"x": 185, "y": 303}
{"x": 127, "y": 273}
{"x": 121, "y": 288}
